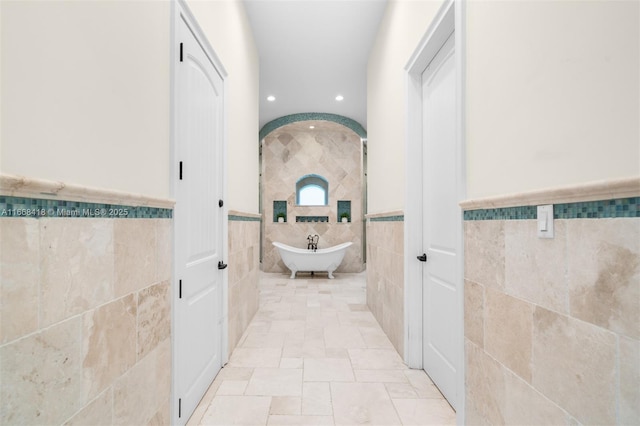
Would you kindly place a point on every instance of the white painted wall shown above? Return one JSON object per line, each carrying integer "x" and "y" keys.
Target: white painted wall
{"x": 552, "y": 94}
{"x": 85, "y": 93}
{"x": 402, "y": 27}
{"x": 227, "y": 28}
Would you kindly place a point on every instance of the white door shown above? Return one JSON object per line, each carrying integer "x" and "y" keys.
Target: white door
{"x": 442, "y": 223}
{"x": 198, "y": 224}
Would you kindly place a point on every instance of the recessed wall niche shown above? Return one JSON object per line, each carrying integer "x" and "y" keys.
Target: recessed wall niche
{"x": 331, "y": 151}
{"x": 279, "y": 211}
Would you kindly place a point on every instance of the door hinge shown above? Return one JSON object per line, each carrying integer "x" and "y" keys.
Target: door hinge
{"x": 181, "y": 170}
{"x": 181, "y": 49}
{"x": 423, "y": 258}
{"x": 220, "y": 203}
{"x": 179, "y": 289}
{"x": 179, "y": 407}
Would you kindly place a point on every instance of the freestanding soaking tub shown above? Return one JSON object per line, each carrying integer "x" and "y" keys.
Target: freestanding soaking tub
{"x": 297, "y": 259}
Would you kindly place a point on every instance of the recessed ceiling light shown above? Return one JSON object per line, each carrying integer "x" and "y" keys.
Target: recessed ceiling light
{"x": 312, "y": 127}
{"x": 271, "y": 98}
{"x": 339, "y": 98}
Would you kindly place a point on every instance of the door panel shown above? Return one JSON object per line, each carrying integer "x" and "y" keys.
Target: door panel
{"x": 441, "y": 223}
{"x": 198, "y": 224}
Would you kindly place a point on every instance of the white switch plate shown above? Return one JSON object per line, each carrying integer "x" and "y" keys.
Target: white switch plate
{"x": 545, "y": 221}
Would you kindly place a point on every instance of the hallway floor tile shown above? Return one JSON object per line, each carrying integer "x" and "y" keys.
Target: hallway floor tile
{"x": 315, "y": 355}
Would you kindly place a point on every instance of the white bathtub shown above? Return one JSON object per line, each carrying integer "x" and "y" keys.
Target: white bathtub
{"x": 297, "y": 259}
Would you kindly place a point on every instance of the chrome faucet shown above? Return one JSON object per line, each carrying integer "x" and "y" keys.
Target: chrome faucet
{"x": 313, "y": 242}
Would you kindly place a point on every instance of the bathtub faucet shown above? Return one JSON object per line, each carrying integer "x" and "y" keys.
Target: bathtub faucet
{"x": 313, "y": 242}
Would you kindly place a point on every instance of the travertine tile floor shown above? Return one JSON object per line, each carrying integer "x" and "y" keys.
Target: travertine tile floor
{"x": 315, "y": 355}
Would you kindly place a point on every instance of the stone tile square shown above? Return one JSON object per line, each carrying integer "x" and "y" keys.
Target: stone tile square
{"x": 422, "y": 384}
{"x": 257, "y": 339}
{"x": 347, "y": 337}
{"x": 275, "y": 382}
{"x": 316, "y": 399}
{"x": 401, "y": 390}
{"x": 381, "y": 376}
{"x": 425, "y": 412}
{"x": 276, "y": 420}
{"x": 291, "y": 362}
{"x": 362, "y": 403}
{"x": 286, "y": 405}
{"x": 232, "y": 387}
{"x": 373, "y": 359}
{"x": 238, "y": 410}
{"x": 327, "y": 370}
{"x": 255, "y": 357}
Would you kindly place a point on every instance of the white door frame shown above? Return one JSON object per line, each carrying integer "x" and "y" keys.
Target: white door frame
{"x": 449, "y": 18}
{"x": 180, "y": 11}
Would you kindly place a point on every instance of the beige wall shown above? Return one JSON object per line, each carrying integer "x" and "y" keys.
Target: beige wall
{"x": 552, "y": 93}
{"x": 545, "y": 108}
{"x": 85, "y": 93}
{"x": 86, "y": 97}
{"x": 402, "y": 27}
{"x": 227, "y": 27}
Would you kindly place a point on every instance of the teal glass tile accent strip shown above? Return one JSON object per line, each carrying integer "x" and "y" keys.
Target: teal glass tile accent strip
{"x": 344, "y": 208}
{"x": 239, "y": 218}
{"x": 40, "y": 208}
{"x": 621, "y": 207}
{"x": 505, "y": 213}
{"x": 396, "y": 218}
{"x": 279, "y": 209}
{"x": 312, "y": 218}
{"x": 306, "y": 116}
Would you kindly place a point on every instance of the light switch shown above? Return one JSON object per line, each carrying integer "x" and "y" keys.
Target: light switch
{"x": 545, "y": 221}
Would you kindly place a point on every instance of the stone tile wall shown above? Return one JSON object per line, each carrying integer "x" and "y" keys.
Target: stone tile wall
{"x": 385, "y": 277}
{"x": 85, "y": 325}
{"x": 552, "y": 326}
{"x": 330, "y": 150}
{"x": 244, "y": 270}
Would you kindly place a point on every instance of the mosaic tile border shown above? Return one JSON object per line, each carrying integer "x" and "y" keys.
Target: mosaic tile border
{"x": 315, "y": 219}
{"x": 41, "y": 208}
{"x": 616, "y": 208}
{"x": 306, "y": 116}
{"x": 394, "y": 218}
{"x": 239, "y": 218}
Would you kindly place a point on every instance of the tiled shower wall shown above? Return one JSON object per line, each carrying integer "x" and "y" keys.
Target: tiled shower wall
{"x": 385, "y": 275}
{"x": 330, "y": 150}
{"x": 552, "y": 326}
{"x": 85, "y": 320}
{"x": 244, "y": 267}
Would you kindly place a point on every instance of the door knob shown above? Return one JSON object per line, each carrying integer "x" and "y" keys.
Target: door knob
{"x": 422, "y": 258}
{"x": 222, "y": 265}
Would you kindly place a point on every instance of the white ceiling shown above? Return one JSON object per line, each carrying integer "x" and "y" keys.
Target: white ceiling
{"x": 311, "y": 51}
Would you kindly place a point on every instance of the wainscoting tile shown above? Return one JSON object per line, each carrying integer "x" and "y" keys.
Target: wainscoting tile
{"x": 109, "y": 343}
{"x": 604, "y": 273}
{"x": 19, "y": 277}
{"x": 42, "y": 376}
{"x": 76, "y": 267}
{"x": 574, "y": 364}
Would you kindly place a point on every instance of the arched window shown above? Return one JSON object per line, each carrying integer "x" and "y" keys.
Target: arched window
{"x": 312, "y": 190}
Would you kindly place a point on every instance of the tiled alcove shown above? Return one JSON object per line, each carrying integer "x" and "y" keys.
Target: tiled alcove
{"x": 330, "y": 150}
